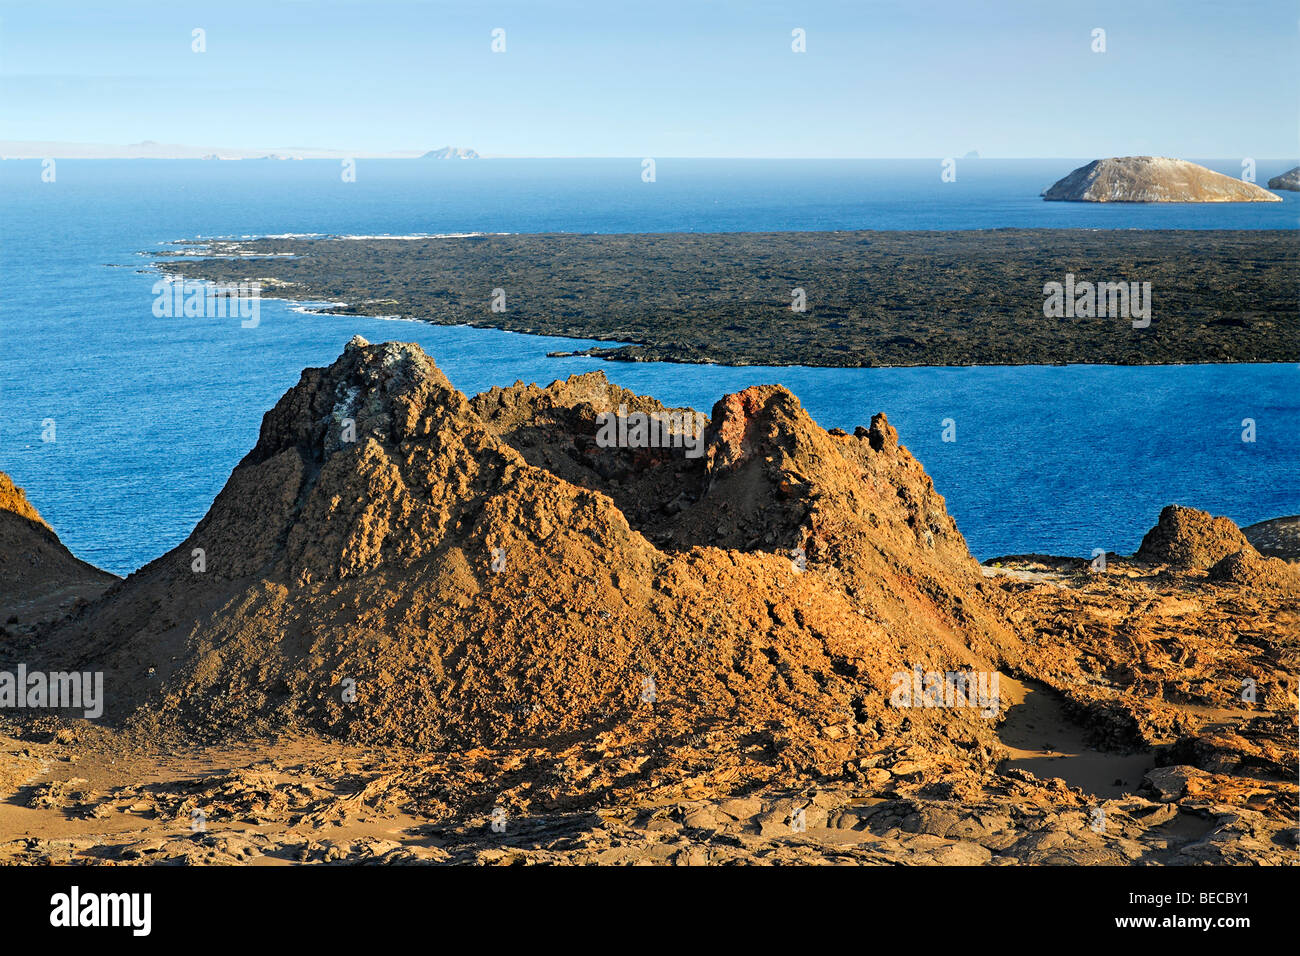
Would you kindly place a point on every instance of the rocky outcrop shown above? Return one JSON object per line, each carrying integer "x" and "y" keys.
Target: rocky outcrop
{"x": 1188, "y": 538}
{"x": 1289, "y": 180}
{"x": 394, "y": 562}
{"x": 39, "y": 577}
{"x": 1152, "y": 179}
{"x": 13, "y": 501}
{"x": 698, "y": 643}
{"x": 1248, "y": 568}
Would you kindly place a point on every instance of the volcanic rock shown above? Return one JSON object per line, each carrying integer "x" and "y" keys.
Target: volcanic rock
{"x": 39, "y": 577}
{"x": 1248, "y": 568}
{"x": 1188, "y": 538}
{"x": 641, "y": 655}
{"x": 1152, "y": 179}
{"x": 394, "y": 562}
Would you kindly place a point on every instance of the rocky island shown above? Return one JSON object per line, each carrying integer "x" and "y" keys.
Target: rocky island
{"x": 1152, "y": 179}
{"x": 1289, "y": 180}
{"x": 418, "y": 613}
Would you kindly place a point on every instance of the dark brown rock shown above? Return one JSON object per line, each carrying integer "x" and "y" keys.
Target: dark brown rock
{"x": 1188, "y": 538}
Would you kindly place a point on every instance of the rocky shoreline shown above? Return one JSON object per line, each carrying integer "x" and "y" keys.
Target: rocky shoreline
{"x": 869, "y": 298}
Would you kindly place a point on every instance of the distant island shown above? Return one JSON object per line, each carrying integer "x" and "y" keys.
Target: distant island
{"x": 1289, "y": 180}
{"x": 451, "y": 152}
{"x": 1152, "y": 179}
{"x": 151, "y": 149}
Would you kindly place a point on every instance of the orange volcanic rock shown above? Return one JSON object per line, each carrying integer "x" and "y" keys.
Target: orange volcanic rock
{"x": 13, "y": 500}
{"x": 394, "y": 562}
{"x": 1249, "y": 568}
{"x": 699, "y": 642}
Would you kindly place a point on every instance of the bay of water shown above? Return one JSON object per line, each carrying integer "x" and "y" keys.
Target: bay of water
{"x": 151, "y": 414}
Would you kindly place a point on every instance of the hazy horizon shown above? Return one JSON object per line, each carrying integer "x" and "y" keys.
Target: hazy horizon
{"x": 922, "y": 79}
{"x": 20, "y": 150}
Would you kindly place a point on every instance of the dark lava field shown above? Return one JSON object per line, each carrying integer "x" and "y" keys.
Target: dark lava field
{"x": 870, "y": 298}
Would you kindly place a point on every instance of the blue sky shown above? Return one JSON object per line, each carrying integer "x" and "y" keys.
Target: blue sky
{"x": 919, "y": 78}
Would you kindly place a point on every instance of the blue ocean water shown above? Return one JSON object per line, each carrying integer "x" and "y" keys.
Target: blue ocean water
{"x": 151, "y": 414}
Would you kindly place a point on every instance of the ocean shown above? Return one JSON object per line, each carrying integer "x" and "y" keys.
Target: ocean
{"x": 149, "y": 415}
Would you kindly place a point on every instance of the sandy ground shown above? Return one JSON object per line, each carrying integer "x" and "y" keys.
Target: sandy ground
{"x": 1124, "y": 749}
{"x": 77, "y": 795}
